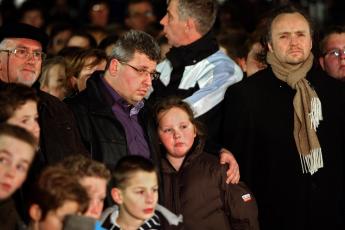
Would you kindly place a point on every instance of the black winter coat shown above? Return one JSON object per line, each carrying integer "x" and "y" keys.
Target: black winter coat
{"x": 102, "y": 134}
{"x": 258, "y": 129}
{"x": 198, "y": 191}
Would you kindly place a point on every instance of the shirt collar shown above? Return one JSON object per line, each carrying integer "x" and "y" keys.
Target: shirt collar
{"x": 117, "y": 99}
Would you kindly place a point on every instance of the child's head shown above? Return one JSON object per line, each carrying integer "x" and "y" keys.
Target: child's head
{"x": 17, "y": 150}
{"x": 57, "y": 193}
{"x": 53, "y": 77}
{"x": 18, "y": 105}
{"x": 177, "y": 127}
{"x": 93, "y": 176}
{"x": 136, "y": 188}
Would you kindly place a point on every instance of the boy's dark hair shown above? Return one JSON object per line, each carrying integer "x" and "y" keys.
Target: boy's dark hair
{"x": 176, "y": 102}
{"x": 55, "y": 186}
{"x": 18, "y": 133}
{"x": 337, "y": 29}
{"x": 12, "y": 96}
{"x": 128, "y": 165}
{"x": 81, "y": 166}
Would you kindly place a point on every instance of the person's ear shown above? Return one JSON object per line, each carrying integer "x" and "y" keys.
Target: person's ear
{"x": 72, "y": 82}
{"x": 113, "y": 66}
{"x": 270, "y": 48}
{"x": 117, "y": 195}
{"x": 242, "y": 63}
{"x": 35, "y": 212}
{"x": 322, "y": 62}
{"x": 190, "y": 25}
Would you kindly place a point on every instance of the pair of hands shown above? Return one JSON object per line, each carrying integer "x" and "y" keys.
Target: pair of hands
{"x": 233, "y": 173}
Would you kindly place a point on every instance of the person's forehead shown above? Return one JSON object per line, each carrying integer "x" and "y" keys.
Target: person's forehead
{"x": 289, "y": 22}
{"x": 139, "y": 6}
{"x": 336, "y": 39}
{"x": 8, "y": 141}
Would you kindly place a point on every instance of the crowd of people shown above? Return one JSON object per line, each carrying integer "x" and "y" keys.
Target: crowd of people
{"x": 152, "y": 122}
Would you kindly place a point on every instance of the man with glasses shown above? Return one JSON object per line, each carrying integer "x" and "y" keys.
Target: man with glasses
{"x": 332, "y": 48}
{"x": 21, "y": 56}
{"x": 111, "y": 112}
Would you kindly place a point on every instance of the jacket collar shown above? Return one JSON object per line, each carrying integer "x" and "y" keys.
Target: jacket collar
{"x": 194, "y": 52}
{"x": 193, "y": 153}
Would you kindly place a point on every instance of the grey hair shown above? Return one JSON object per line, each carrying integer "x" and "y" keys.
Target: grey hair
{"x": 135, "y": 41}
{"x": 5, "y": 43}
{"x": 204, "y": 12}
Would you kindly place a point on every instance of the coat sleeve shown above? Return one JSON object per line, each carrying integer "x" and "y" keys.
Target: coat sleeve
{"x": 240, "y": 205}
{"x": 216, "y": 75}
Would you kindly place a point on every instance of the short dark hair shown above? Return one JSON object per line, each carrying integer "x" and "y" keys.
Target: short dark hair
{"x": 285, "y": 9}
{"x": 203, "y": 11}
{"x": 81, "y": 166}
{"x": 336, "y": 29}
{"x": 177, "y": 102}
{"x": 128, "y": 165}
{"x": 12, "y": 96}
{"x": 18, "y": 133}
{"x": 55, "y": 186}
{"x": 135, "y": 41}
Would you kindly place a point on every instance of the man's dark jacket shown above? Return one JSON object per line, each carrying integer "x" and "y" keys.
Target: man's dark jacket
{"x": 258, "y": 129}
{"x": 102, "y": 134}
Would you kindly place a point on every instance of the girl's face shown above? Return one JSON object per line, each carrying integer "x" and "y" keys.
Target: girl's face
{"x": 56, "y": 84}
{"x": 26, "y": 116}
{"x": 176, "y": 132}
{"x": 15, "y": 159}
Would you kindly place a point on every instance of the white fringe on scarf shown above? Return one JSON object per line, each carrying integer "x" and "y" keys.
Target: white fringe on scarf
{"x": 316, "y": 113}
{"x": 313, "y": 161}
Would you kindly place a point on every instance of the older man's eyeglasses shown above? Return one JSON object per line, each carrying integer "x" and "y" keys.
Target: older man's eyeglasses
{"x": 154, "y": 75}
{"x": 25, "y": 53}
{"x": 335, "y": 53}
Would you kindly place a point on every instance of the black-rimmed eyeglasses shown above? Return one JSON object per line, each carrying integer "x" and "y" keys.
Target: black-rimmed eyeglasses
{"x": 335, "y": 53}
{"x": 25, "y": 53}
{"x": 154, "y": 75}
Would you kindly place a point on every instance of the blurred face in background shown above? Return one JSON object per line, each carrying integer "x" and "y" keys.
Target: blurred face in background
{"x": 140, "y": 16}
{"x": 87, "y": 70}
{"x": 26, "y": 116}
{"x": 333, "y": 58}
{"x": 56, "y": 84}
{"x": 99, "y": 14}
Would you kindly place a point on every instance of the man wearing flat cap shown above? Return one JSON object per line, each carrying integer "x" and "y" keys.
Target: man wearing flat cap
{"x": 21, "y": 56}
